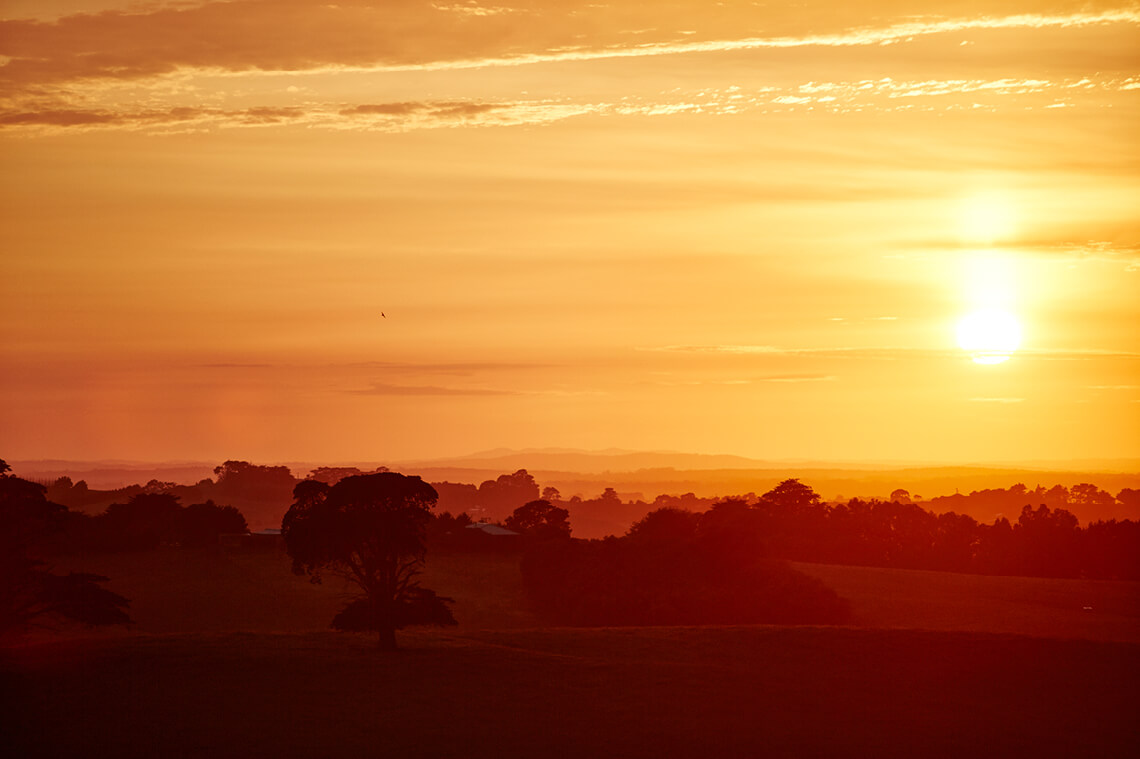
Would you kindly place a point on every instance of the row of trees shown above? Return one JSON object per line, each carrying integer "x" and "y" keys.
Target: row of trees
{"x": 673, "y": 567}
{"x": 791, "y": 522}
{"x": 686, "y": 564}
{"x": 144, "y": 521}
{"x": 1086, "y": 501}
{"x": 263, "y": 493}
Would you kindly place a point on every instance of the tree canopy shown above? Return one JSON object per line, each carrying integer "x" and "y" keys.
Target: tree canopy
{"x": 369, "y": 529}
{"x": 673, "y": 567}
{"x": 29, "y": 593}
{"x": 540, "y": 519}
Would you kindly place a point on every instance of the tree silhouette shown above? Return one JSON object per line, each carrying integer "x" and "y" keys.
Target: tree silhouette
{"x": 792, "y": 495}
{"x": 540, "y": 519}
{"x": 671, "y": 570}
{"x": 145, "y": 521}
{"x": 245, "y": 480}
{"x": 29, "y": 593}
{"x": 201, "y": 523}
{"x": 1088, "y": 495}
{"x": 507, "y": 492}
{"x": 901, "y": 495}
{"x": 369, "y": 529}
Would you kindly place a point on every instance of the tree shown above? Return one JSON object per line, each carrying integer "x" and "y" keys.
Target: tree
{"x": 900, "y": 496}
{"x": 792, "y": 495}
{"x": 1090, "y": 497}
{"x": 1129, "y": 497}
{"x": 145, "y": 521}
{"x": 507, "y": 492}
{"x": 29, "y": 592}
{"x": 371, "y": 530}
{"x": 245, "y": 480}
{"x": 540, "y": 519}
{"x": 665, "y": 571}
{"x": 331, "y": 475}
{"x": 200, "y": 524}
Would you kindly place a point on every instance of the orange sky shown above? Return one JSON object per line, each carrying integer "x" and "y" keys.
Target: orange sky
{"x": 742, "y": 228}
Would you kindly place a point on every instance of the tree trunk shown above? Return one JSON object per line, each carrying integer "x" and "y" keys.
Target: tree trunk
{"x": 386, "y": 638}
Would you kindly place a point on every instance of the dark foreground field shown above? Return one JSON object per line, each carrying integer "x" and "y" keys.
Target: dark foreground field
{"x": 696, "y": 692}
{"x": 228, "y": 659}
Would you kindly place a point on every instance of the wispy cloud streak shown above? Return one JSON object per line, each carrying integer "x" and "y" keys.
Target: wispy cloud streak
{"x": 427, "y": 390}
{"x": 63, "y": 112}
{"x": 881, "y": 353}
{"x": 238, "y": 37}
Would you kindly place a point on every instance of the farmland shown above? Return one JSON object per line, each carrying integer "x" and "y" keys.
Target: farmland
{"x": 229, "y": 658}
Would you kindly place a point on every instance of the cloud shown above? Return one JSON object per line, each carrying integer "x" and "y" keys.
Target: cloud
{"x": 798, "y": 378}
{"x": 383, "y": 109}
{"x": 885, "y": 353}
{"x": 70, "y": 110}
{"x": 379, "y": 388}
{"x": 164, "y": 68}
{"x": 776, "y": 351}
{"x": 775, "y": 378}
{"x": 58, "y": 118}
{"x": 298, "y": 35}
{"x": 473, "y": 9}
{"x": 1127, "y": 254}
{"x": 1105, "y": 250}
{"x": 385, "y": 117}
{"x": 456, "y": 368}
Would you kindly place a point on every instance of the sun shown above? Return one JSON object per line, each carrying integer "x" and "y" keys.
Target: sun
{"x": 990, "y": 335}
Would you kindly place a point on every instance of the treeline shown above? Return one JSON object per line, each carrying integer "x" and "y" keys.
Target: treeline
{"x": 144, "y": 521}
{"x": 611, "y": 513}
{"x": 673, "y": 568}
{"x": 263, "y": 493}
{"x": 260, "y": 493}
{"x": 791, "y": 522}
{"x": 1085, "y": 501}
{"x": 1037, "y": 534}
{"x": 727, "y": 565}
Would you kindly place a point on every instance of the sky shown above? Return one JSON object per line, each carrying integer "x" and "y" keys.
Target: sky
{"x": 274, "y": 230}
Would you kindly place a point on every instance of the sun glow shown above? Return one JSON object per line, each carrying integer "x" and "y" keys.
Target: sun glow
{"x": 986, "y": 218}
{"x": 990, "y": 335}
{"x": 989, "y": 331}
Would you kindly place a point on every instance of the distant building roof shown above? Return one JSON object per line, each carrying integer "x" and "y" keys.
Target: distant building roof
{"x": 268, "y": 531}
{"x": 491, "y": 529}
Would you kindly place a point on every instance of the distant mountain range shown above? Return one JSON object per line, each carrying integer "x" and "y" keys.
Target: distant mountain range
{"x": 621, "y": 460}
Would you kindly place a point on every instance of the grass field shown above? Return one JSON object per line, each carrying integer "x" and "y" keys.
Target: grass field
{"x": 230, "y": 658}
{"x": 664, "y": 692}
{"x": 175, "y": 591}
{"x": 916, "y": 599}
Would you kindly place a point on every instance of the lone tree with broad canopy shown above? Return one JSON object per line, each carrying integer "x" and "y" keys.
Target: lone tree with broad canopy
{"x": 369, "y": 529}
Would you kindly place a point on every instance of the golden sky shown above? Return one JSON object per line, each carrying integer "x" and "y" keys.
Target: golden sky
{"x": 756, "y": 228}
